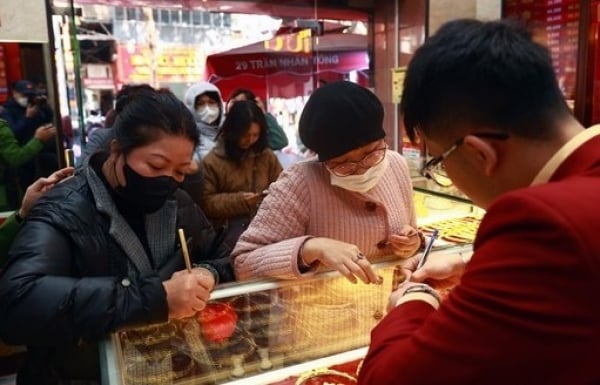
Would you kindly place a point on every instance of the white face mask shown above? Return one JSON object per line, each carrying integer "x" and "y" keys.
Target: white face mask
{"x": 363, "y": 182}
{"x": 208, "y": 114}
{"x": 22, "y": 101}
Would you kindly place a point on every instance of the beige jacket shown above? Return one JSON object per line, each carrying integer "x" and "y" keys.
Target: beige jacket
{"x": 225, "y": 181}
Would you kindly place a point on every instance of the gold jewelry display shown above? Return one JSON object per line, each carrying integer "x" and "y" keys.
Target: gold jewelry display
{"x": 292, "y": 324}
{"x": 329, "y": 316}
{"x": 323, "y": 372}
{"x": 457, "y": 230}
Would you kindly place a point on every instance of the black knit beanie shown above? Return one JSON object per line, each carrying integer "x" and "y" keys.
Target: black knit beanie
{"x": 340, "y": 117}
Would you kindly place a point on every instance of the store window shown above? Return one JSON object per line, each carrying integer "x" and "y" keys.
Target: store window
{"x": 281, "y": 52}
{"x": 25, "y": 55}
{"x": 196, "y": 17}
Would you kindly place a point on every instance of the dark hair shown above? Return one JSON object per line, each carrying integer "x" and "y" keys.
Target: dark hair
{"x": 249, "y": 95}
{"x": 213, "y": 95}
{"x": 143, "y": 114}
{"x": 237, "y": 123}
{"x": 128, "y": 90}
{"x": 474, "y": 73}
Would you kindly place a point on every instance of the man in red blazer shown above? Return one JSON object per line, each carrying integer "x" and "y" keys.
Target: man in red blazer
{"x": 484, "y": 98}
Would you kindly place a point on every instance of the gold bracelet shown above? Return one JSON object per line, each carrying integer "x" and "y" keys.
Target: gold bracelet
{"x": 323, "y": 372}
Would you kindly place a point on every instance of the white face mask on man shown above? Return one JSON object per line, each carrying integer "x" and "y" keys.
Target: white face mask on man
{"x": 207, "y": 113}
{"x": 363, "y": 182}
{"x": 22, "y": 101}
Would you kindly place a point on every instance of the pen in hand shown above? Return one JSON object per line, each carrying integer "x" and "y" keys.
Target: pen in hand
{"x": 184, "y": 250}
{"x": 427, "y": 250}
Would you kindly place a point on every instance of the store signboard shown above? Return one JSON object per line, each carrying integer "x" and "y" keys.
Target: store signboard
{"x": 163, "y": 65}
{"x": 98, "y": 76}
{"x": 262, "y": 64}
{"x": 23, "y": 21}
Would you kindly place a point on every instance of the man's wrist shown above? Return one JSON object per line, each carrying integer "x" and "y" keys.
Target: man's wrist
{"x": 420, "y": 292}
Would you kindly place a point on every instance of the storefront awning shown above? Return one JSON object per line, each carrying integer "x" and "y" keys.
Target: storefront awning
{"x": 275, "y": 70}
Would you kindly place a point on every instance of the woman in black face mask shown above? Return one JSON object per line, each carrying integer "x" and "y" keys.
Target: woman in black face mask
{"x": 100, "y": 252}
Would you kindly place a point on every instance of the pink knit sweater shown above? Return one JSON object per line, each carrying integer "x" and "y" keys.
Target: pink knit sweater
{"x": 302, "y": 203}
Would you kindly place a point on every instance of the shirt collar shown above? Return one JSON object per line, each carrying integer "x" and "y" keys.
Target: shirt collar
{"x": 567, "y": 149}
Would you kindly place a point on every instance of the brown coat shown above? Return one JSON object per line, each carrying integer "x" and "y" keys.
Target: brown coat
{"x": 225, "y": 181}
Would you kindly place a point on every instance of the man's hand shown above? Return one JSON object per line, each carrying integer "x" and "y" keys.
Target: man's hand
{"x": 45, "y": 133}
{"x": 441, "y": 271}
{"x": 39, "y": 187}
{"x": 31, "y": 111}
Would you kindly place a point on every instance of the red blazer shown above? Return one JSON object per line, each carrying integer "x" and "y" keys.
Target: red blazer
{"x": 528, "y": 308}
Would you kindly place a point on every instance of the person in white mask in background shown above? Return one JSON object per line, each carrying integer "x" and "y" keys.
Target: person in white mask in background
{"x": 205, "y": 102}
{"x": 349, "y": 207}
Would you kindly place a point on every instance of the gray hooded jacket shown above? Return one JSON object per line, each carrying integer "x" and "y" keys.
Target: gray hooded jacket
{"x": 206, "y": 131}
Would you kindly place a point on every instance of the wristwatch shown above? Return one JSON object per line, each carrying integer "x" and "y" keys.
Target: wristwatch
{"x": 423, "y": 288}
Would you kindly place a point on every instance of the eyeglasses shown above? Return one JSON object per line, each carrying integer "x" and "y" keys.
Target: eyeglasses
{"x": 371, "y": 159}
{"x": 435, "y": 170}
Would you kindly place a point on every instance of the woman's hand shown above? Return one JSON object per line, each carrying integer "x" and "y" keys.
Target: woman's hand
{"x": 252, "y": 199}
{"x": 188, "y": 293}
{"x": 406, "y": 243}
{"x": 341, "y": 256}
{"x": 441, "y": 271}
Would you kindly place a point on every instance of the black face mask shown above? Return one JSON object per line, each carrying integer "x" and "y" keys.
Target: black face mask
{"x": 147, "y": 194}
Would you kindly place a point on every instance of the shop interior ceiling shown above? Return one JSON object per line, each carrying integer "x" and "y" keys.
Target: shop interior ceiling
{"x": 321, "y": 9}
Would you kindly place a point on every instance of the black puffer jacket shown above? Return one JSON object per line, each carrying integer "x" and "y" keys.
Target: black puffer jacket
{"x": 69, "y": 280}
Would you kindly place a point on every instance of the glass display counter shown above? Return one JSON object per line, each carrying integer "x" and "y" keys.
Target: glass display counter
{"x": 263, "y": 332}
{"x": 270, "y": 332}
